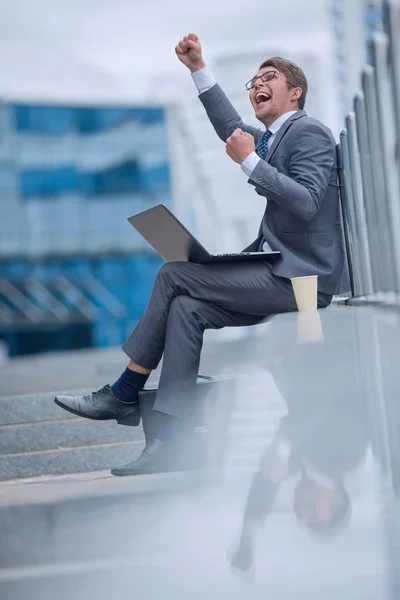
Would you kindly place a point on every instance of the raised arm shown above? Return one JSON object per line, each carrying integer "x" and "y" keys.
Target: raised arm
{"x": 220, "y": 111}
{"x": 189, "y": 52}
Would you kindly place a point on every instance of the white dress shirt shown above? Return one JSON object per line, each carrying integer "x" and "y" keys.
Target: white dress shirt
{"x": 249, "y": 163}
{"x": 283, "y": 449}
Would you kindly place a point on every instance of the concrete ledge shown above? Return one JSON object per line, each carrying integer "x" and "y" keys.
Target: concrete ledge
{"x": 49, "y": 489}
{"x": 50, "y": 523}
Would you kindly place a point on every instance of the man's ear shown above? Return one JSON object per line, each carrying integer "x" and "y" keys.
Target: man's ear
{"x": 296, "y": 93}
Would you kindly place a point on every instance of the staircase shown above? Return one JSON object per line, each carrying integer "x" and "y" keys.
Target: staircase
{"x": 71, "y": 530}
{"x": 38, "y": 438}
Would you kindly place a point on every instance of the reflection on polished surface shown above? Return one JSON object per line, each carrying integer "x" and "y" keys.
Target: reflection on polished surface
{"x": 334, "y": 457}
{"x": 301, "y": 496}
{"x": 320, "y": 442}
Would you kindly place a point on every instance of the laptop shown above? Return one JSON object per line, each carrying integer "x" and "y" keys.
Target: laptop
{"x": 174, "y": 242}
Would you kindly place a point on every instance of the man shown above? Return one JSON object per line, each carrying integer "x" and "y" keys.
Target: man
{"x": 293, "y": 165}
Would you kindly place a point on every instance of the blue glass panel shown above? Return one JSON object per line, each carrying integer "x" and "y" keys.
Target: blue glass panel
{"x": 156, "y": 178}
{"x": 120, "y": 179}
{"x": 76, "y": 266}
{"x": 15, "y": 268}
{"x": 150, "y": 115}
{"x": 54, "y": 120}
{"x": 49, "y": 182}
{"x": 112, "y": 269}
{"x": 92, "y": 120}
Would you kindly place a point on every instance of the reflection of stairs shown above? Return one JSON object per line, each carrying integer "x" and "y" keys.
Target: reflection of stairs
{"x": 253, "y": 417}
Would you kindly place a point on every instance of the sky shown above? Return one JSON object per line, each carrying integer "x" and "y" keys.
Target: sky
{"x": 84, "y": 48}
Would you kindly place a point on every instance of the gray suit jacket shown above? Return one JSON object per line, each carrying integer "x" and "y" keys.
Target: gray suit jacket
{"x": 299, "y": 178}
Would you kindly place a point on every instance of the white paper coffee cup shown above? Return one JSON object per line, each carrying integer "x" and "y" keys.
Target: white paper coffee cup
{"x": 305, "y": 291}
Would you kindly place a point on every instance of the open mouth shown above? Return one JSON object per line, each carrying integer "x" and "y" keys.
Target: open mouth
{"x": 262, "y": 98}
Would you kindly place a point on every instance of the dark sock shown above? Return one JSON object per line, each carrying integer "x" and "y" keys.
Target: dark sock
{"x": 169, "y": 428}
{"x": 126, "y": 388}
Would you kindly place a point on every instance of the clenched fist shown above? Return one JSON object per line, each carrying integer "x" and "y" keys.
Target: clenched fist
{"x": 239, "y": 145}
{"x": 189, "y": 52}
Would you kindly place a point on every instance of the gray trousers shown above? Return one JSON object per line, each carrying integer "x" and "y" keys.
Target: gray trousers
{"x": 188, "y": 298}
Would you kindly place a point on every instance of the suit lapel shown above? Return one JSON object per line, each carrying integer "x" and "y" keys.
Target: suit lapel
{"x": 281, "y": 132}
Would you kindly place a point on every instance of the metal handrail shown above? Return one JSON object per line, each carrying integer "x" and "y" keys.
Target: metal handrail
{"x": 364, "y": 261}
{"x": 346, "y": 218}
{"x": 371, "y": 177}
{"x": 368, "y": 191}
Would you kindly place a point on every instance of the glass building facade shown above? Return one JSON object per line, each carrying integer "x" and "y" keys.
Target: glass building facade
{"x": 73, "y": 272}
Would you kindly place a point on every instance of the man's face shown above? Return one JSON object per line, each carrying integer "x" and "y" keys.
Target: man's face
{"x": 314, "y": 505}
{"x": 273, "y": 98}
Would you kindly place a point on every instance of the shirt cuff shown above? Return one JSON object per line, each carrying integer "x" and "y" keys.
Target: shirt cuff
{"x": 250, "y": 163}
{"x": 203, "y": 79}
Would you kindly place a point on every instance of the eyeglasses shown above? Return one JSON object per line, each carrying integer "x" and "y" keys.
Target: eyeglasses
{"x": 267, "y": 76}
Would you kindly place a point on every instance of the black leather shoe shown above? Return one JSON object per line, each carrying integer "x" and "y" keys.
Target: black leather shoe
{"x": 101, "y": 406}
{"x": 157, "y": 457}
{"x": 153, "y": 459}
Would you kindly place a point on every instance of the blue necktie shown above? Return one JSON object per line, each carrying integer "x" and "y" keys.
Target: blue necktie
{"x": 262, "y": 148}
{"x": 262, "y": 151}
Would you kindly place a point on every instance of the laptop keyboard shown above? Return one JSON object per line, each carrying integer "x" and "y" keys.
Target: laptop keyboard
{"x": 239, "y": 254}
{"x": 234, "y": 254}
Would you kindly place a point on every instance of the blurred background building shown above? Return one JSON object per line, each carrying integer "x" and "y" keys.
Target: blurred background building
{"x": 73, "y": 271}
{"x": 99, "y": 120}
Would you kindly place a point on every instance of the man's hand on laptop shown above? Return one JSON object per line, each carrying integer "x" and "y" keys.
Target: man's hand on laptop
{"x": 239, "y": 145}
{"x": 189, "y": 52}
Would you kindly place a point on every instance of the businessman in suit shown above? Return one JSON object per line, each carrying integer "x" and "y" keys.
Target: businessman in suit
{"x": 291, "y": 162}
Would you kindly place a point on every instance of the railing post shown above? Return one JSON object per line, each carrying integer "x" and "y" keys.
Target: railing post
{"x": 344, "y": 211}
{"x": 348, "y": 210}
{"x": 364, "y": 266}
{"x": 370, "y": 206}
{"x": 385, "y": 257}
{"x": 391, "y": 11}
{"x": 387, "y": 132}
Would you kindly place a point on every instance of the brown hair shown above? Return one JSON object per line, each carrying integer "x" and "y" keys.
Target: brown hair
{"x": 293, "y": 74}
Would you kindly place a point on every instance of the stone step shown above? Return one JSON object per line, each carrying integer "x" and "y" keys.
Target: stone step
{"x": 68, "y": 460}
{"x": 40, "y": 406}
{"x": 63, "y": 433}
{"x": 29, "y": 408}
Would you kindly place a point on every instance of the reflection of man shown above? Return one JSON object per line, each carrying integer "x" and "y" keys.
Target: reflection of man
{"x": 320, "y": 441}
{"x": 292, "y": 164}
